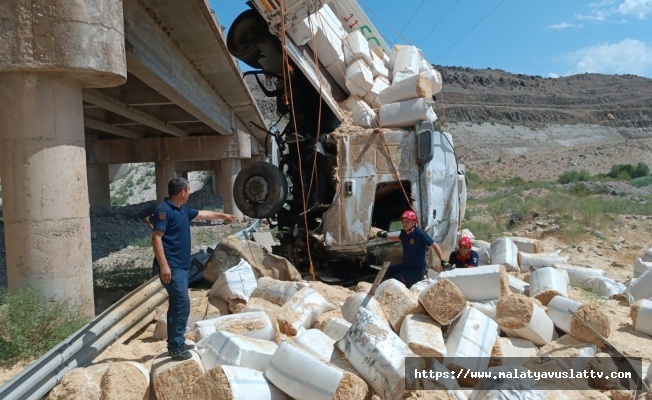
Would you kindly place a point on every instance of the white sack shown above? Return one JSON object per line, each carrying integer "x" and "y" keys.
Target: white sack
{"x": 578, "y": 275}
{"x": 377, "y": 353}
{"x": 404, "y": 61}
{"x": 302, "y": 310}
{"x": 302, "y": 375}
{"x": 504, "y": 252}
{"x": 640, "y": 288}
{"x": 470, "y": 341}
{"x": 361, "y": 113}
{"x": 359, "y": 78}
{"x": 356, "y": 46}
{"x": 423, "y": 336}
{"x": 237, "y": 282}
{"x": 641, "y": 267}
{"x": 225, "y": 348}
{"x": 278, "y": 292}
{"x": 406, "y": 113}
{"x": 316, "y": 343}
{"x": 477, "y": 284}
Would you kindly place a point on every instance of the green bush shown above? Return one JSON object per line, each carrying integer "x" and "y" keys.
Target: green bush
{"x": 574, "y": 176}
{"x": 642, "y": 181}
{"x": 628, "y": 171}
{"x": 31, "y": 324}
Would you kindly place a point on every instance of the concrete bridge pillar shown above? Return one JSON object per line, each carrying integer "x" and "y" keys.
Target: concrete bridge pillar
{"x": 164, "y": 171}
{"x": 229, "y": 169}
{"x": 99, "y": 189}
{"x": 45, "y": 60}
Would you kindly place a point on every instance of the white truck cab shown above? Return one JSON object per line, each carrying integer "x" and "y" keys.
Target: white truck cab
{"x": 335, "y": 182}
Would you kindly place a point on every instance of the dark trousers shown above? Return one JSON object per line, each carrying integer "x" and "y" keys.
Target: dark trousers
{"x": 408, "y": 276}
{"x": 178, "y": 306}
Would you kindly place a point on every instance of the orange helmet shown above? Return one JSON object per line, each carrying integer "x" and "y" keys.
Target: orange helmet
{"x": 465, "y": 241}
{"x": 410, "y": 215}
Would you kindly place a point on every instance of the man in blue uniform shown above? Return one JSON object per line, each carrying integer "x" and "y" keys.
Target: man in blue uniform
{"x": 464, "y": 257}
{"x": 415, "y": 244}
{"x": 171, "y": 243}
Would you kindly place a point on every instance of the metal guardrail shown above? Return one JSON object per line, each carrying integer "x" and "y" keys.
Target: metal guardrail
{"x": 79, "y": 349}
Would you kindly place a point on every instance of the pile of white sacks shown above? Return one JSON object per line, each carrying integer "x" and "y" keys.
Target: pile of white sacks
{"x": 386, "y": 90}
{"x": 305, "y": 340}
{"x": 287, "y": 340}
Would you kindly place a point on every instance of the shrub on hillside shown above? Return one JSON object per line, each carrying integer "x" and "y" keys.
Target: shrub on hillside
{"x": 574, "y": 176}
{"x": 642, "y": 181}
{"x": 628, "y": 172}
{"x": 31, "y": 324}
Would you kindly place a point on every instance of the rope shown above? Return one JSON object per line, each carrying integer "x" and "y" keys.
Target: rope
{"x": 288, "y": 82}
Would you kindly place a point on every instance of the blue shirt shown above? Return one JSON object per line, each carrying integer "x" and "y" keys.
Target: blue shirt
{"x": 471, "y": 259}
{"x": 415, "y": 246}
{"x": 175, "y": 223}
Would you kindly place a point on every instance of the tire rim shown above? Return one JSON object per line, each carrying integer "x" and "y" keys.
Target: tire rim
{"x": 257, "y": 189}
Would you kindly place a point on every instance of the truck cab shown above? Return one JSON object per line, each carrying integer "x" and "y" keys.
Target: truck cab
{"x": 336, "y": 183}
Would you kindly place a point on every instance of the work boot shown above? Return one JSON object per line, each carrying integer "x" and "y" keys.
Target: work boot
{"x": 189, "y": 346}
{"x": 180, "y": 354}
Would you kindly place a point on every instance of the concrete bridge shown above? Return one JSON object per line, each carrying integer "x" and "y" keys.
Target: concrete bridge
{"x": 89, "y": 83}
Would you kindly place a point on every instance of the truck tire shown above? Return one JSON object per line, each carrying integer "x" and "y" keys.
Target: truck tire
{"x": 244, "y": 37}
{"x": 260, "y": 190}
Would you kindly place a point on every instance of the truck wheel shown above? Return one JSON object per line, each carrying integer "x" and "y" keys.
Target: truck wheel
{"x": 246, "y": 33}
{"x": 260, "y": 190}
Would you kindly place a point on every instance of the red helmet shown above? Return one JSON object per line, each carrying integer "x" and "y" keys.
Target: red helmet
{"x": 410, "y": 215}
{"x": 465, "y": 241}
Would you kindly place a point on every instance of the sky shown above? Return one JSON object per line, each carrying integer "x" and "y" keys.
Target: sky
{"x": 549, "y": 38}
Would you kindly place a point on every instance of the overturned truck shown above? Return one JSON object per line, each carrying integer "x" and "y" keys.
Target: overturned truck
{"x": 360, "y": 145}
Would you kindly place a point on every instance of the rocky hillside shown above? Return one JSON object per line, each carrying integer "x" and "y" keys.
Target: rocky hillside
{"x": 488, "y": 95}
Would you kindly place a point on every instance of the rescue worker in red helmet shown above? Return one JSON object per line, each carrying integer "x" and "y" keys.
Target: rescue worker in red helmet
{"x": 415, "y": 244}
{"x": 464, "y": 257}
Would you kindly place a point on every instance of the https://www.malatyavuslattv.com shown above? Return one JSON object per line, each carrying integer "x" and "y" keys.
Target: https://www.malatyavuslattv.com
{"x": 520, "y": 374}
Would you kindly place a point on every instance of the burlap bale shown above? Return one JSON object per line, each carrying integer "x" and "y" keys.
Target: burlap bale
{"x": 204, "y": 307}
{"x": 237, "y": 306}
{"x": 276, "y": 291}
{"x": 336, "y": 295}
{"x": 594, "y": 316}
{"x": 212, "y": 385}
{"x": 633, "y": 311}
{"x": 443, "y": 301}
{"x": 259, "y": 304}
{"x": 352, "y": 305}
{"x": 351, "y": 387}
{"x": 423, "y": 336}
{"x": 496, "y": 356}
{"x": 124, "y": 381}
{"x": 302, "y": 311}
{"x": 527, "y": 245}
{"x": 514, "y": 311}
{"x": 173, "y": 380}
{"x": 363, "y": 287}
{"x": 76, "y": 384}
{"x": 397, "y": 301}
{"x": 504, "y": 282}
{"x": 229, "y": 251}
{"x": 566, "y": 347}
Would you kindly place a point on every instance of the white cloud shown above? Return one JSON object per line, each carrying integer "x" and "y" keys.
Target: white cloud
{"x": 639, "y": 8}
{"x": 603, "y": 10}
{"x": 564, "y": 25}
{"x": 553, "y": 75}
{"x": 630, "y": 56}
